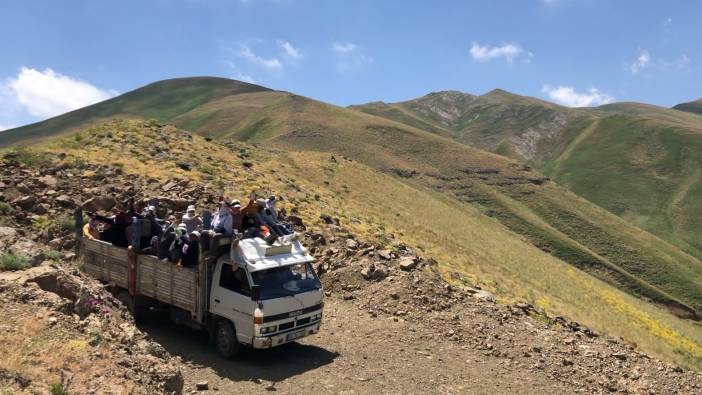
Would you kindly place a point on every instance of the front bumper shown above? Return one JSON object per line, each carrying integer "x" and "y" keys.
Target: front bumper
{"x": 286, "y": 337}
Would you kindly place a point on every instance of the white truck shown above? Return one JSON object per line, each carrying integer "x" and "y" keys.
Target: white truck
{"x": 255, "y": 294}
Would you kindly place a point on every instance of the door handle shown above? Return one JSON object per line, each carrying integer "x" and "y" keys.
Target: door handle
{"x": 216, "y": 300}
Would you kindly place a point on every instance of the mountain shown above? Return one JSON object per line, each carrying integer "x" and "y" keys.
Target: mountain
{"x": 636, "y": 160}
{"x": 694, "y": 106}
{"x": 482, "y": 216}
{"x": 188, "y": 102}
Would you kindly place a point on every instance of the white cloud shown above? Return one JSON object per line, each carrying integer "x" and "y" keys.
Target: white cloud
{"x": 486, "y": 53}
{"x": 646, "y": 61}
{"x": 271, "y": 64}
{"x": 3, "y": 127}
{"x": 238, "y": 75}
{"x": 641, "y": 62}
{"x": 349, "y": 56}
{"x": 567, "y": 96}
{"x": 48, "y": 93}
{"x": 290, "y": 50}
{"x": 344, "y": 48}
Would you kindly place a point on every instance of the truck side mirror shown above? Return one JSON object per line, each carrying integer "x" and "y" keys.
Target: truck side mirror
{"x": 255, "y": 292}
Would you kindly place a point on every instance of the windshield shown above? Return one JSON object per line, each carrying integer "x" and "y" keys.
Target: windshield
{"x": 286, "y": 281}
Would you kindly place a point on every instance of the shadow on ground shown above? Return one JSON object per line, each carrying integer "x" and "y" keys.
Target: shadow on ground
{"x": 275, "y": 364}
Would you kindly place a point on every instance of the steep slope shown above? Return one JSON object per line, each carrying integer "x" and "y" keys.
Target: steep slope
{"x": 123, "y": 158}
{"x": 520, "y": 127}
{"x": 546, "y": 215}
{"x": 638, "y": 161}
{"x": 694, "y": 106}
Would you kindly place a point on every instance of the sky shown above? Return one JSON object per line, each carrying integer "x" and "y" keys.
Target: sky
{"x": 57, "y": 56}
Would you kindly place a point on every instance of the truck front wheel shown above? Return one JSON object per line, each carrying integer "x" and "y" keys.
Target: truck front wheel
{"x": 226, "y": 341}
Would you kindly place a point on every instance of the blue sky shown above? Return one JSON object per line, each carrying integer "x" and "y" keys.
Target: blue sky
{"x": 59, "y": 55}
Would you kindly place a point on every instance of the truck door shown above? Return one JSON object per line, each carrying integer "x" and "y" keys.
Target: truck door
{"x": 231, "y": 298}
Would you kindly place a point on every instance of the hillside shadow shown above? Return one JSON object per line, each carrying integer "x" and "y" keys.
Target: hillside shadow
{"x": 274, "y": 364}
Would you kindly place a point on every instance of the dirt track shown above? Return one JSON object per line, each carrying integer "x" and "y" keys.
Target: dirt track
{"x": 354, "y": 353}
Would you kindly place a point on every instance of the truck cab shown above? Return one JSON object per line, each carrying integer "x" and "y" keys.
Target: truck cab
{"x": 263, "y": 296}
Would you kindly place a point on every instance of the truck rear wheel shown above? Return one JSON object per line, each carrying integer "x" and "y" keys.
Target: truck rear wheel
{"x": 225, "y": 339}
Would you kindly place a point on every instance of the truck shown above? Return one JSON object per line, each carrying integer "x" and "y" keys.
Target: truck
{"x": 252, "y": 294}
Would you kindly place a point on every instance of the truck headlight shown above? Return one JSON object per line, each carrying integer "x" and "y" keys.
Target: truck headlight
{"x": 268, "y": 329}
{"x": 316, "y": 317}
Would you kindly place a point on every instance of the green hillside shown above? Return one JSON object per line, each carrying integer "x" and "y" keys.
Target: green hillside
{"x": 165, "y": 100}
{"x": 693, "y": 106}
{"x": 638, "y": 161}
{"x": 465, "y": 233}
{"x": 544, "y": 214}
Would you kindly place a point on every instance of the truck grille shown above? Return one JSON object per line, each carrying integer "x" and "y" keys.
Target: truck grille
{"x": 303, "y": 321}
{"x": 286, "y": 325}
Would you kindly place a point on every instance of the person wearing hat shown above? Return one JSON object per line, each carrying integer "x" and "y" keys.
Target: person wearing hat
{"x": 265, "y": 216}
{"x": 191, "y": 220}
{"x": 191, "y": 249}
{"x": 237, "y": 215}
{"x": 176, "y": 248}
{"x": 270, "y": 205}
{"x": 167, "y": 237}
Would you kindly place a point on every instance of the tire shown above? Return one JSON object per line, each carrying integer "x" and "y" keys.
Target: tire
{"x": 225, "y": 339}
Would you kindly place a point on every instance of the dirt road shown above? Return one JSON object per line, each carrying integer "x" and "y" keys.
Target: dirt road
{"x": 354, "y": 353}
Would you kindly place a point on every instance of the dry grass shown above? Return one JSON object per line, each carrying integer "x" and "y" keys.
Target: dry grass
{"x": 458, "y": 235}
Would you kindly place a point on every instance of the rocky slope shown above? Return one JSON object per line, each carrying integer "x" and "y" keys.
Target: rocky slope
{"x": 393, "y": 323}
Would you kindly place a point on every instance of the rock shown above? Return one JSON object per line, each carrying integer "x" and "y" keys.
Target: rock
{"x": 25, "y": 202}
{"x": 374, "y": 272}
{"x": 484, "y": 296}
{"x": 295, "y": 221}
{"x": 351, "y": 244}
{"x": 48, "y": 181}
{"x": 386, "y": 254}
{"x": 65, "y": 201}
{"x": 99, "y": 203}
{"x": 408, "y": 263}
{"x": 619, "y": 355}
{"x": 202, "y": 386}
{"x": 55, "y": 244}
{"x": 52, "y": 320}
{"x": 184, "y": 165}
{"x": 23, "y": 188}
{"x": 329, "y": 220}
{"x": 29, "y": 250}
{"x": 7, "y": 236}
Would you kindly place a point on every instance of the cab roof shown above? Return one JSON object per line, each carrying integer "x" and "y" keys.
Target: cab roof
{"x": 257, "y": 255}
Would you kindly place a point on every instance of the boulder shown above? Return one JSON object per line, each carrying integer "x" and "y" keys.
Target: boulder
{"x": 7, "y": 236}
{"x": 374, "y": 272}
{"x": 409, "y": 263}
{"x": 99, "y": 203}
{"x": 386, "y": 254}
{"x": 484, "y": 296}
{"x": 48, "y": 181}
{"x": 65, "y": 201}
{"x": 351, "y": 244}
{"x": 28, "y": 249}
{"x": 25, "y": 202}
{"x": 295, "y": 221}
{"x": 23, "y": 188}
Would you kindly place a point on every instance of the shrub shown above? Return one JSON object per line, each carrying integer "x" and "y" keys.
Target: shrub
{"x": 54, "y": 255}
{"x": 55, "y": 225}
{"x": 26, "y": 156}
{"x": 10, "y": 261}
{"x": 58, "y": 389}
{"x": 5, "y": 208}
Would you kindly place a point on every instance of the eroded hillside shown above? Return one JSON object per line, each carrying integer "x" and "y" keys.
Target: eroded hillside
{"x": 466, "y": 234}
